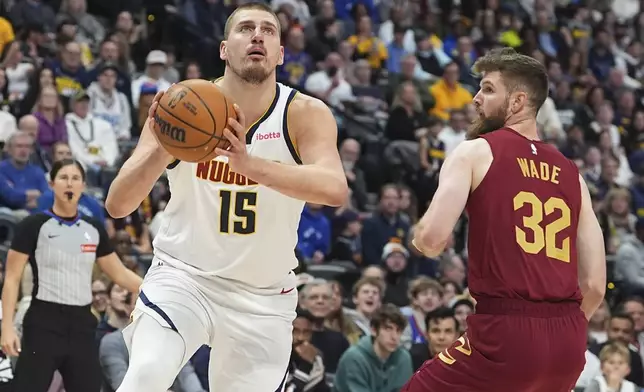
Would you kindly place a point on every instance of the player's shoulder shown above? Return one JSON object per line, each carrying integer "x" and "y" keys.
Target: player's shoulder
{"x": 472, "y": 150}
{"x": 303, "y": 103}
{"x": 306, "y": 111}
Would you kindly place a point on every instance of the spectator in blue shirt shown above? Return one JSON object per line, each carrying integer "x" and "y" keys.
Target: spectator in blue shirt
{"x": 314, "y": 233}
{"x": 21, "y": 183}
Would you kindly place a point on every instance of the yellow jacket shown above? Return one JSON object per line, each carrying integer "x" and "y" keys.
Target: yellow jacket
{"x": 448, "y": 99}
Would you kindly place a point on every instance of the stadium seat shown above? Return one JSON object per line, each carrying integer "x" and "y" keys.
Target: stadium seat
{"x": 8, "y": 222}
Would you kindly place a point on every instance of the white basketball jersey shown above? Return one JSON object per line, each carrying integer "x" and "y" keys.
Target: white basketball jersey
{"x": 221, "y": 223}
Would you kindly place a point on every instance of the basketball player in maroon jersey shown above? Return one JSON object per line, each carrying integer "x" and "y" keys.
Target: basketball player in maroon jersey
{"x": 536, "y": 252}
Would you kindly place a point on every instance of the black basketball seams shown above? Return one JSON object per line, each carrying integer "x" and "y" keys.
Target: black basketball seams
{"x": 214, "y": 120}
{"x": 212, "y": 136}
{"x": 219, "y": 139}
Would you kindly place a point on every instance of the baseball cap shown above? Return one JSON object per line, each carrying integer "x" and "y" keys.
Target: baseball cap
{"x": 462, "y": 300}
{"x": 156, "y": 57}
{"x": 394, "y": 247}
{"x": 149, "y": 89}
{"x": 80, "y": 95}
{"x": 107, "y": 66}
{"x": 347, "y": 217}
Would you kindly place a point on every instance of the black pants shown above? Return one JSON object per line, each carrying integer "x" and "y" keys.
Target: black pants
{"x": 58, "y": 337}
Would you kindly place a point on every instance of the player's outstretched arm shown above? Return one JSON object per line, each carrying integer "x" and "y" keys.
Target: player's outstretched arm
{"x": 455, "y": 182}
{"x": 320, "y": 178}
{"x": 592, "y": 256}
{"x": 139, "y": 173}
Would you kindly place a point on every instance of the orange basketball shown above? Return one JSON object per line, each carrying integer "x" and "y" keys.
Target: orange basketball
{"x": 190, "y": 120}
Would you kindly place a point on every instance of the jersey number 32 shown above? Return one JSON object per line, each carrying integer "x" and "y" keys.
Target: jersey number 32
{"x": 238, "y": 213}
{"x": 543, "y": 238}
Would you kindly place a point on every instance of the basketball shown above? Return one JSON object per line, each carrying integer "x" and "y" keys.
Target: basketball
{"x": 190, "y": 120}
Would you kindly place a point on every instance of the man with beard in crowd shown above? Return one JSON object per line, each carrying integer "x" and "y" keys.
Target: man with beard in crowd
{"x": 537, "y": 266}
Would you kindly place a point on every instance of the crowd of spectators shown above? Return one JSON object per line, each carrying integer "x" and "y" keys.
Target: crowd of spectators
{"x": 78, "y": 76}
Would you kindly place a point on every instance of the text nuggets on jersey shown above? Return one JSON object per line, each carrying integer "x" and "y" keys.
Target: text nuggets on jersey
{"x": 540, "y": 171}
{"x": 217, "y": 171}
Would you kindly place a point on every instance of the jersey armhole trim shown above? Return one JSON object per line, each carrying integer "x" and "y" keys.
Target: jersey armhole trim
{"x": 253, "y": 128}
{"x": 173, "y": 164}
{"x": 292, "y": 146}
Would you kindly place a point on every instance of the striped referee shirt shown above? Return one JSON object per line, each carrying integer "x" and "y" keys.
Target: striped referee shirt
{"x": 62, "y": 252}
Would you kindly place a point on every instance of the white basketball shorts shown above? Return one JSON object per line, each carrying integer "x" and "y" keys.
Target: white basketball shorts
{"x": 248, "y": 329}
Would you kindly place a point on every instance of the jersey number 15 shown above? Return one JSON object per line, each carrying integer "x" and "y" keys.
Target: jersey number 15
{"x": 241, "y": 205}
{"x": 543, "y": 238}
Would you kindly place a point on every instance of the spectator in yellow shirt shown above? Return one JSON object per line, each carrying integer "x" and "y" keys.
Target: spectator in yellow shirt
{"x": 448, "y": 93}
{"x": 6, "y": 33}
{"x": 367, "y": 45}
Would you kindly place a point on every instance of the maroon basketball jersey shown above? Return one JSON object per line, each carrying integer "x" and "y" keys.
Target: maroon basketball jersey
{"x": 523, "y": 222}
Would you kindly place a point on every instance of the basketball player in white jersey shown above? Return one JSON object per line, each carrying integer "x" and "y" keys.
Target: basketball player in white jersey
{"x": 223, "y": 257}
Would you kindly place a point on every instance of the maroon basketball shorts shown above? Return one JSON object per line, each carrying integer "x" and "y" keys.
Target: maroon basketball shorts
{"x": 511, "y": 346}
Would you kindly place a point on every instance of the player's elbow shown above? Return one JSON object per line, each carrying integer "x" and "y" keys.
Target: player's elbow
{"x": 593, "y": 286}
{"x": 337, "y": 194}
{"x": 596, "y": 287}
{"x": 116, "y": 209}
{"x": 428, "y": 241}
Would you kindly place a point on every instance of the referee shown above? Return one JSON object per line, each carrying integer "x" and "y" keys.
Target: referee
{"x": 59, "y": 327}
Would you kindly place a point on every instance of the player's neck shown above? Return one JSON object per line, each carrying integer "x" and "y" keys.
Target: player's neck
{"x": 526, "y": 127}
{"x": 248, "y": 95}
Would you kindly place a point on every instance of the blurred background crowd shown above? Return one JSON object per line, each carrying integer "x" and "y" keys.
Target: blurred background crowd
{"x": 78, "y": 76}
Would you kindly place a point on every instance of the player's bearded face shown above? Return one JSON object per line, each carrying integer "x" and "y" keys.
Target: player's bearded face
{"x": 251, "y": 69}
{"x": 488, "y": 122}
{"x": 253, "y": 48}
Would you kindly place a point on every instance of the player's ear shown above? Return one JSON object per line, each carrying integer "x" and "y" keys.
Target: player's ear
{"x": 222, "y": 50}
{"x": 518, "y": 101}
{"x": 280, "y": 61}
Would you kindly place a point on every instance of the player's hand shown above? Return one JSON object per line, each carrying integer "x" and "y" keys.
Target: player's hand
{"x": 155, "y": 104}
{"x": 10, "y": 342}
{"x": 235, "y": 132}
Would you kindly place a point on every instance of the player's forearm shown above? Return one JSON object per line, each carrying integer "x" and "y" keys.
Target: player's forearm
{"x": 310, "y": 183}
{"x": 592, "y": 300}
{"x": 593, "y": 288}
{"x": 134, "y": 181}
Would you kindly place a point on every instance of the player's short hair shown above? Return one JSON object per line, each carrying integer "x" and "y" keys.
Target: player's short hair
{"x": 614, "y": 348}
{"x": 421, "y": 284}
{"x": 368, "y": 280}
{"x": 442, "y": 313}
{"x": 250, "y": 6}
{"x": 388, "y": 313}
{"x": 518, "y": 72}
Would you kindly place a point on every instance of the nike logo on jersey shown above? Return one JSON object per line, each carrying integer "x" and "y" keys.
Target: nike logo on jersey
{"x": 219, "y": 172}
{"x": 284, "y": 291}
{"x": 52, "y": 235}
